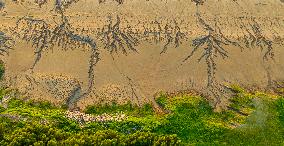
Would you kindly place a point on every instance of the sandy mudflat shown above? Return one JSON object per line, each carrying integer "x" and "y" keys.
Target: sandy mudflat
{"x": 139, "y": 76}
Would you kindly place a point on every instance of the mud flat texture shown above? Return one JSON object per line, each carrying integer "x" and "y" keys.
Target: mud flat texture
{"x": 83, "y": 52}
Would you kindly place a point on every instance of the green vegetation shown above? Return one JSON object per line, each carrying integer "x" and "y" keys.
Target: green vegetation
{"x": 280, "y": 109}
{"x": 128, "y": 108}
{"x": 252, "y": 119}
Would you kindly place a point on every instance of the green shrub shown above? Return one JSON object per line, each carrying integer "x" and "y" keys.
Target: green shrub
{"x": 146, "y": 109}
{"x": 15, "y": 103}
{"x": 126, "y": 127}
{"x": 35, "y": 133}
{"x": 2, "y": 109}
{"x": 148, "y": 138}
{"x": 67, "y": 124}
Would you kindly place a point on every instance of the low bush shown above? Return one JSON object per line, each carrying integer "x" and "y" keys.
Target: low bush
{"x": 35, "y": 133}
